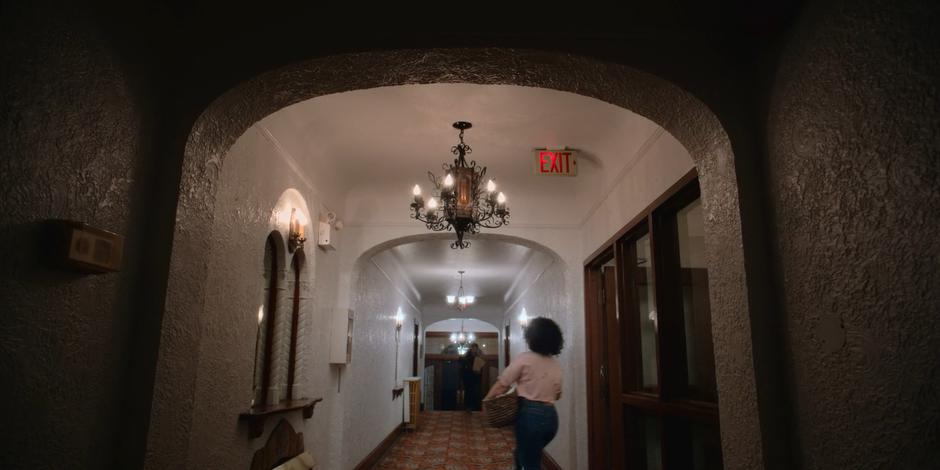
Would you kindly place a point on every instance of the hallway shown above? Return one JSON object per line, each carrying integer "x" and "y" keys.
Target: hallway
{"x": 451, "y": 440}
{"x": 236, "y": 237}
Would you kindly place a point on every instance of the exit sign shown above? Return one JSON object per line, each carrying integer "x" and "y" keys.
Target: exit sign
{"x": 556, "y": 162}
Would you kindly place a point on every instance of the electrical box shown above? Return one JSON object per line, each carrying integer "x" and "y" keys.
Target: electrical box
{"x": 79, "y": 246}
{"x": 324, "y": 236}
{"x": 341, "y": 337}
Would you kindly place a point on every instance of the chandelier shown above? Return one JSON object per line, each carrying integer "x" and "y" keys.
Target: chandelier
{"x": 459, "y": 201}
{"x": 460, "y": 301}
{"x": 462, "y": 340}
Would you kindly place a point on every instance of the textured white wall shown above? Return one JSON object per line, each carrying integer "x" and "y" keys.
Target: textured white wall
{"x": 369, "y": 414}
{"x": 254, "y": 180}
{"x": 255, "y": 175}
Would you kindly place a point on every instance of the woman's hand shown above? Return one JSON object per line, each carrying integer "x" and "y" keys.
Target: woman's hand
{"x": 497, "y": 390}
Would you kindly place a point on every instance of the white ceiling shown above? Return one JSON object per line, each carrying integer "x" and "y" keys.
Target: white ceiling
{"x": 382, "y": 141}
{"x": 375, "y": 144}
{"x": 496, "y": 273}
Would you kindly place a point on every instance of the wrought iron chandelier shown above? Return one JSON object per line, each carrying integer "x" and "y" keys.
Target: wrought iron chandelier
{"x": 460, "y": 301}
{"x": 462, "y": 340}
{"x": 460, "y": 202}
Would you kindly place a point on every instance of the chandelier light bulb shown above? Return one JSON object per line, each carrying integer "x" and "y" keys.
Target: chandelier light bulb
{"x": 471, "y": 337}
{"x": 260, "y": 314}
{"x": 461, "y": 337}
{"x": 448, "y": 180}
{"x": 453, "y": 337}
{"x": 432, "y": 205}
{"x": 501, "y": 198}
{"x": 490, "y": 186}
{"x": 416, "y": 190}
{"x": 451, "y": 299}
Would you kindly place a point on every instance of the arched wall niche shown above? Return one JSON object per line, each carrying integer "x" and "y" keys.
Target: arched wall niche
{"x": 678, "y": 112}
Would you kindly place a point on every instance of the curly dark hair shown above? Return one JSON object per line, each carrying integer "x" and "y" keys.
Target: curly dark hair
{"x": 544, "y": 337}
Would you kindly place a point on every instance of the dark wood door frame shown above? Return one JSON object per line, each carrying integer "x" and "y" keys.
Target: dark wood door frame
{"x": 605, "y": 326}
{"x": 506, "y": 347}
{"x": 598, "y": 434}
{"x": 414, "y": 353}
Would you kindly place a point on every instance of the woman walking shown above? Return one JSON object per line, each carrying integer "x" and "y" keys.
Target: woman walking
{"x": 537, "y": 376}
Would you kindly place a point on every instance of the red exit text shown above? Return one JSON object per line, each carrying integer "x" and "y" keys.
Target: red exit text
{"x": 556, "y": 162}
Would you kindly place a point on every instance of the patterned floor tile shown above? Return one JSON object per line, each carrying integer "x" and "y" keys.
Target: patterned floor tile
{"x": 451, "y": 440}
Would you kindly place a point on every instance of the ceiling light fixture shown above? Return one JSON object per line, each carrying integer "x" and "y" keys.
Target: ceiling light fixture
{"x": 462, "y": 340}
{"x": 460, "y": 301}
{"x": 461, "y": 202}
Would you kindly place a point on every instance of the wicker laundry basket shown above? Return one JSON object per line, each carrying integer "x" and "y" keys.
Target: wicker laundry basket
{"x": 501, "y": 411}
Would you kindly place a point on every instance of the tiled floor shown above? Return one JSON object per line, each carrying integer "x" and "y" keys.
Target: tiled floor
{"x": 451, "y": 440}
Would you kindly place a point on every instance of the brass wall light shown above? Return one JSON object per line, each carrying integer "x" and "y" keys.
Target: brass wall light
{"x": 296, "y": 230}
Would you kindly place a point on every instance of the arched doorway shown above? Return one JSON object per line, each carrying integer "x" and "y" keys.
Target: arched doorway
{"x": 679, "y": 113}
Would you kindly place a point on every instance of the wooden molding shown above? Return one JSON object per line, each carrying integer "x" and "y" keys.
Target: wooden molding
{"x": 373, "y": 458}
{"x": 257, "y": 415}
{"x": 548, "y": 463}
{"x": 284, "y": 443}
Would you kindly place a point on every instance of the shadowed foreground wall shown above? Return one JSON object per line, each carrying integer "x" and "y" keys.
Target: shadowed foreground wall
{"x": 75, "y": 136}
{"x": 854, "y": 138}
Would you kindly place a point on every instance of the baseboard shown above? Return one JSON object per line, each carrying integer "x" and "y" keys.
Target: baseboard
{"x": 548, "y": 463}
{"x": 380, "y": 450}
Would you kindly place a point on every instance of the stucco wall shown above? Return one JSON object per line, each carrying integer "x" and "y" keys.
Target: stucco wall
{"x": 369, "y": 414}
{"x": 357, "y": 412}
{"x": 254, "y": 179}
{"x": 855, "y": 185}
{"x": 75, "y": 138}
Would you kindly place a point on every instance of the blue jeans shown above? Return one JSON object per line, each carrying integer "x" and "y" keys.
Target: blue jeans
{"x": 536, "y": 425}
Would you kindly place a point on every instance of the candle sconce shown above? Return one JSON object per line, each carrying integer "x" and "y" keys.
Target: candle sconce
{"x": 296, "y": 238}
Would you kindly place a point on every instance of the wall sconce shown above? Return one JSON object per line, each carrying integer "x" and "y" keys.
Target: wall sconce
{"x": 295, "y": 237}
{"x": 399, "y": 320}
{"x": 524, "y": 319}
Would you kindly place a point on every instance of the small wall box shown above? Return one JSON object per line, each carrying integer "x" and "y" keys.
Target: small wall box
{"x": 79, "y": 246}
{"x": 341, "y": 337}
{"x": 324, "y": 236}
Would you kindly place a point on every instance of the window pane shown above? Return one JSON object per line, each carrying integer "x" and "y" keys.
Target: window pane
{"x": 646, "y": 309}
{"x": 644, "y": 438}
{"x": 695, "y": 305}
{"x": 706, "y": 447}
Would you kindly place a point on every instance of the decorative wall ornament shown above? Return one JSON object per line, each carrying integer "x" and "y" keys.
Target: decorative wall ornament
{"x": 460, "y": 202}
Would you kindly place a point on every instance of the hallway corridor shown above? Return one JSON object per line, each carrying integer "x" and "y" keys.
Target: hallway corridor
{"x": 451, "y": 440}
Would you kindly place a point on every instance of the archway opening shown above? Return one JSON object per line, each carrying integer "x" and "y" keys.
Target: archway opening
{"x": 699, "y": 132}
